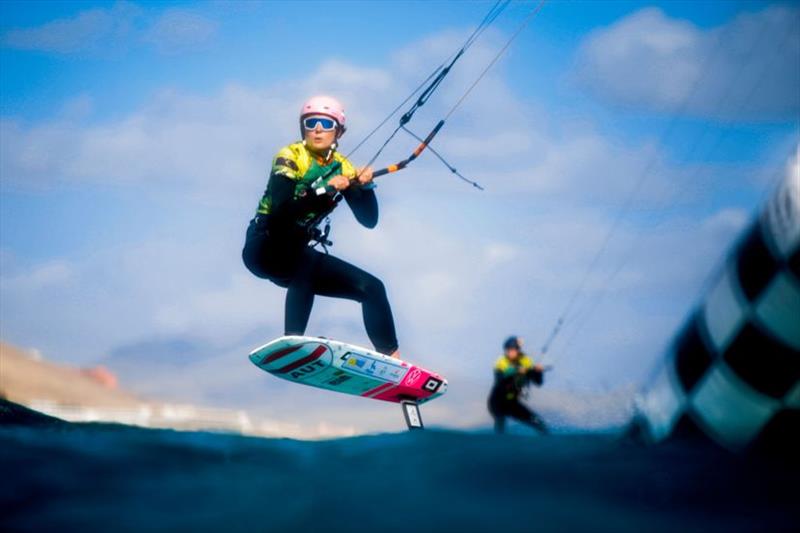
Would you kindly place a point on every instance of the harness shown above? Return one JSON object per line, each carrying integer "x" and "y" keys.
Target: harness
{"x": 517, "y": 384}
{"x": 315, "y": 182}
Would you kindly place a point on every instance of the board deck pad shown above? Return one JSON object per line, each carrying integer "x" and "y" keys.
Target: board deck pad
{"x": 342, "y": 367}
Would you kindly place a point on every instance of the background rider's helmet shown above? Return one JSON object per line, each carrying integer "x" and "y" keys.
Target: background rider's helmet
{"x": 512, "y": 342}
{"x": 326, "y": 106}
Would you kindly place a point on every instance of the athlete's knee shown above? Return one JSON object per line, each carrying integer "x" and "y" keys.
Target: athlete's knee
{"x": 373, "y": 287}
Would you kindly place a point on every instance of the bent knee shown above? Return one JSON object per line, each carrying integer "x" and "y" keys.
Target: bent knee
{"x": 372, "y": 286}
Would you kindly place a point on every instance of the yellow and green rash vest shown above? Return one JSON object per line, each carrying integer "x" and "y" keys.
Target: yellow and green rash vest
{"x": 300, "y": 165}
{"x": 509, "y": 381}
{"x": 508, "y": 368}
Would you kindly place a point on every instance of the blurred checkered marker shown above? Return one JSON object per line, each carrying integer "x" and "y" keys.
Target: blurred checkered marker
{"x": 732, "y": 373}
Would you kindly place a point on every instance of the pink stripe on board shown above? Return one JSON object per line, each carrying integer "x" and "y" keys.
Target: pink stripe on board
{"x": 280, "y": 353}
{"x": 376, "y": 390}
{"x": 304, "y": 361}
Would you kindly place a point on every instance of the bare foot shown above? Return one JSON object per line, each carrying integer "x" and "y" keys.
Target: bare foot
{"x": 395, "y": 354}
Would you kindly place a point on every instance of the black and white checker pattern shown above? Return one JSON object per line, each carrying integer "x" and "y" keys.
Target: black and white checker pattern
{"x": 733, "y": 370}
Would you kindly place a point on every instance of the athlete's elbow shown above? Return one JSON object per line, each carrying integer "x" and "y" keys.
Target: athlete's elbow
{"x": 368, "y": 219}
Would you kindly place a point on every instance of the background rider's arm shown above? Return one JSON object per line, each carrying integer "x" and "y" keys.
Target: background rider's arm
{"x": 535, "y": 375}
{"x": 363, "y": 203}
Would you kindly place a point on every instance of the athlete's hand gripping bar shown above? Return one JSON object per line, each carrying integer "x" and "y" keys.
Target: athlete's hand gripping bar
{"x": 391, "y": 168}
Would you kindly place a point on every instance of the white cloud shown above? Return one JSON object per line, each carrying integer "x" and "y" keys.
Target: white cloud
{"x": 747, "y": 69}
{"x": 793, "y": 166}
{"x": 236, "y": 306}
{"x": 105, "y": 31}
{"x": 217, "y": 144}
{"x": 726, "y": 220}
{"x": 42, "y": 277}
{"x": 179, "y": 29}
{"x": 584, "y": 165}
{"x": 499, "y": 252}
{"x": 214, "y": 145}
{"x": 92, "y": 30}
{"x": 175, "y": 140}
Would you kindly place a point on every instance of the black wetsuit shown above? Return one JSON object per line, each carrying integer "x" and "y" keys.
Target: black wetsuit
{"x": 504, "y": 400}
{"x": 276, "y": 248}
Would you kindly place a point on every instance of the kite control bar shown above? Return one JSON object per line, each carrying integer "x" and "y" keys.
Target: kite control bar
{"x": 328, "y": 189}
{"x": 402, "y": 164}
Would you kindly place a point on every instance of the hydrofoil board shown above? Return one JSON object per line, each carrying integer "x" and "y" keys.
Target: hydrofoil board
{"x": 349, "y": 369}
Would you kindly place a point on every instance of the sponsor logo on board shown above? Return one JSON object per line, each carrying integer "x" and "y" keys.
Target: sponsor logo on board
{"x": 307, "y": 370}
{"x": 413, "y": 377}
{"x": 338, "y": 380}
{"x": 368, "y": 366}
{"x": 432, "y": 384}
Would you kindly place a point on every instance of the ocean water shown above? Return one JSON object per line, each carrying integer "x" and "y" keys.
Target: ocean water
{"x": 57, "y": 476}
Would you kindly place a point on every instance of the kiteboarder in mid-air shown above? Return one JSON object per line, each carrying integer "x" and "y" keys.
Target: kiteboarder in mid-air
{"x": 306, "y": 182}
{"x": 513, "y": 371}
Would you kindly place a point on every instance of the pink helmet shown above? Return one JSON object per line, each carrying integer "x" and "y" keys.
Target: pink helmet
{"x": 324, "y": 105}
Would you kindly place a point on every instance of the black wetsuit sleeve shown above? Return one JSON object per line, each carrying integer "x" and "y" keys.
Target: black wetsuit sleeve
{"x": 284, "y": 204}
{"x": 505, "y": 382}
{"x": 535, "y": 376}
{"x": 497, "y": 393}
{"x": 364, "y": 205}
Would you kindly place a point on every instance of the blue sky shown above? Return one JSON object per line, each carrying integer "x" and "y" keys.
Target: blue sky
{"x": 135, "y": 137}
